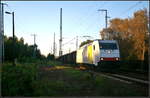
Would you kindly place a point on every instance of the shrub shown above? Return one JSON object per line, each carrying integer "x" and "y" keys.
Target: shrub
{"x": 17, "y": 80}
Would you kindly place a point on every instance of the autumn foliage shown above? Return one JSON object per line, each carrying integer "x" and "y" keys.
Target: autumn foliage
{"x": 132, "y": 34}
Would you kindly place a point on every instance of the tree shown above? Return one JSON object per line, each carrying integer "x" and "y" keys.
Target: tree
{"x": 140, "y": 25}
{"x": 21, "y": 50}
{"x": 131, "y": 33}
{"x": 50, "y": 56}
{"x": 107, "y": 34}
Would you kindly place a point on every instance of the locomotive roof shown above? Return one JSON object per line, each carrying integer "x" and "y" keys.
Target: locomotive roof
{"x": 99, "y": 40}
{"x": 105, "y": 40}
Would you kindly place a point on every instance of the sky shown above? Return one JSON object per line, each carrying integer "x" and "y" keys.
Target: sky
{"x": 79, "y": 18}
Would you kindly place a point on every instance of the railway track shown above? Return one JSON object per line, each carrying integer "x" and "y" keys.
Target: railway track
{"x": 131, "y": 79}
{"x": 122, "y": 78}
{"x": 119, "y": 77}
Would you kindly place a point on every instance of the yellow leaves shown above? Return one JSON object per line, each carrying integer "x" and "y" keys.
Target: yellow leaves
{"x": 132, "y": 31}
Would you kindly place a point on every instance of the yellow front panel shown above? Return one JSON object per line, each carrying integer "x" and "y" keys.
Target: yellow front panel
{"x": 90, "y": 54}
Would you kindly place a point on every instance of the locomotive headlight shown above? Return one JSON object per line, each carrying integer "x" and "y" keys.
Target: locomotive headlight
{"x": 101, "y": 58}
{"x": 117, "y": 59}
{"x": 109, "y": 51}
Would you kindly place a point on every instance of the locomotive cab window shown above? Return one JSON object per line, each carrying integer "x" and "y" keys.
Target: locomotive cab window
{"x": 108, "y": 46}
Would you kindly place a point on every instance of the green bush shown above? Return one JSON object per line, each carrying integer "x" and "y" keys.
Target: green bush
{"x": 17, "y": 80}
{"x": 28, "y": 59}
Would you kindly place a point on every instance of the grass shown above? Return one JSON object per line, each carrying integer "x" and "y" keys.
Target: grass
{"x": 52, "y": 63}
{"x": 53, "y": 79}
{"x": 105, "y": 87}
{"x": 72, "y": 82}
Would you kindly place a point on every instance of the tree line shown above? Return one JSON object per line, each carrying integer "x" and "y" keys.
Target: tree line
{"x": 23, "y": 51}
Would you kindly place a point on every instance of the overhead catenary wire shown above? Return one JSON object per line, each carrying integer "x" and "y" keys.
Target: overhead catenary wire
{"x": 119, "y": 15}
{"x": 88, "y": 14}
{"x": 69, "y": 41}
{"x": 82, "y": 20}
{"x": 133, "y": 6}
{"x": 91, "y": 14}
{"x": 90, "y": 26}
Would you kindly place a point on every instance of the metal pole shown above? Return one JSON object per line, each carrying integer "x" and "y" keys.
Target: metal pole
{"x": 34, "y": 39}
{"x": 76, "y": 42}
{"x": 35, "y": 47}
{"x": 34, "y": 35}
{"x": 60, "y": 50}
{"x": 106, "y": 18}
{"x": 13, "y": 24}
{"x": 54, "y": 45}
{"x": 1, "y": 31}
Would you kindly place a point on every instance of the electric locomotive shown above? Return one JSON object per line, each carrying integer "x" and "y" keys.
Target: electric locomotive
{"x": 98, "y": 51}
